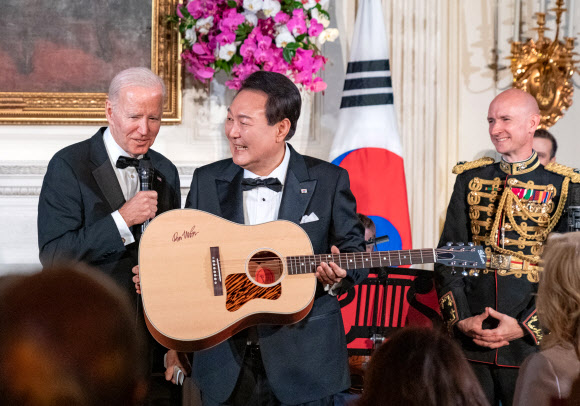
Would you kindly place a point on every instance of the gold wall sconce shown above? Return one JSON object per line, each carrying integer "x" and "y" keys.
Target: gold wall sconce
{"x": 544, "y": 67}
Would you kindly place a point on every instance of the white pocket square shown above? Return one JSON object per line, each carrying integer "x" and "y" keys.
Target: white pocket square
{"x": 309, "y": 219}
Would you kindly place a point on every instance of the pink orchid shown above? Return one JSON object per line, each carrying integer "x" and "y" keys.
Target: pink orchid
{"x": 315, "y": 28}
{"x": 262, "y": 56}
{"x": 296, "y": 24}
{"x": 248, "y": 49}
{"x": 303, "y": 60}
{"x": 281, "y": 18}
{"x": 200, "y": 48}
{"x": 267, "y": 26}
{"x": 234, "y": 83}
{"x": 199, "y": 70}
{"x": 231, "y": 20}
{"x": 210, "y": 7}
{"x": 264, "y": 42}
{"x": 195, "y": 9}
{"x": 318, "y": 85}
{"x": 226, "y": 37}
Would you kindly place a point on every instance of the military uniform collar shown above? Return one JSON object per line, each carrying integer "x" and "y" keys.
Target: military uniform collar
{"x": 521, "y": 167}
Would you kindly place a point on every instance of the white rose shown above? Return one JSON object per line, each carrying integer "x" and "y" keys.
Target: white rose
{"x": 203, "y": 25}
{"x": 309, "y": 4}
{"x": 321, "y": 18}
{"x": 330, "y": 34}
{"x": 251, "y": 17}
{"x": 191, "y": 36}
{"x": 271, "y": 7}
{"x": 227, "y": 51}
{"x": 253, "y": 5}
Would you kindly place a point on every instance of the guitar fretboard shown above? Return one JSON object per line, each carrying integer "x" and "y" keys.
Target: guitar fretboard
{"x": 355, "y": 260}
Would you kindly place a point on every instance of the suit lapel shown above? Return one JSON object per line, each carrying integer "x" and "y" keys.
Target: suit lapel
{"x": 298, "y": 189}
{"x": 229, "y": 188}
{"x": 104, "y": 173}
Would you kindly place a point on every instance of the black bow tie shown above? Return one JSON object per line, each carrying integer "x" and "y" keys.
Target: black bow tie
{"x": 271, "y": 183}
{"x": 125, "y": 161}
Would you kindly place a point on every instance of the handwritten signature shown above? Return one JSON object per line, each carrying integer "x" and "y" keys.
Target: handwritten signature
{"x": 185, "y": 235}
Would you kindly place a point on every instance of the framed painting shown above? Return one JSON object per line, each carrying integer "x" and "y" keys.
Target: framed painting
{"x": 57, "y": 57}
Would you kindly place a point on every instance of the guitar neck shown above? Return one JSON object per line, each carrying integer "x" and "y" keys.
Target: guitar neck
{"x": 356, "y": 260}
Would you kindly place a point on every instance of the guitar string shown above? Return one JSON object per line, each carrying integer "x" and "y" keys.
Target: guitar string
{"x": 274, "y": 260}
{"x": 373, "y": 255}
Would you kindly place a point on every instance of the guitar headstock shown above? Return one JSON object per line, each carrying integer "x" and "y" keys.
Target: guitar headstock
{"x": 459, "y": 255}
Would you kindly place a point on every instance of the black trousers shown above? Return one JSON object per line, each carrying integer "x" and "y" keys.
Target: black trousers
{"x": 253, "y": 388}
{"x": 498, "y": 383}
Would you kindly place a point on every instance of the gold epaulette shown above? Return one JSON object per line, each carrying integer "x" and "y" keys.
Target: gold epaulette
{"x": 564, "y": 171}
{"x": 465, "y": 166}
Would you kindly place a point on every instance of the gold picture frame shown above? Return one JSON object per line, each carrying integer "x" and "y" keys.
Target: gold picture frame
{"x": 73, "y": 108}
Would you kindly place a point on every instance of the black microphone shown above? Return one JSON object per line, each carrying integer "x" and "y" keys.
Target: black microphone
{"x": 145, "y": 171}
{"x": 380, "y": 240}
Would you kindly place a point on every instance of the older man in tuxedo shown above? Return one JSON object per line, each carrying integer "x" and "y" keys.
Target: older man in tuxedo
{"x": 90, "y": 206}
{"x": 266, "y": 179}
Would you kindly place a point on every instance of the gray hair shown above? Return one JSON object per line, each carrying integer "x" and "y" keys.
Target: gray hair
{"x": 139, "y": 76}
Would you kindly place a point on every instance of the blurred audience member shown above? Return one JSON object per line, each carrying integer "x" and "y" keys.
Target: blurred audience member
{"x": 422, "y": 367}
{"x": 546, "y": 146}
{"x": 68, "y": 338}
{"x": 549, "y": 374}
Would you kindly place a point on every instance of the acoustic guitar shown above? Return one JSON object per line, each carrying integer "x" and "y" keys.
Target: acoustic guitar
{"x": 204, "y": 278}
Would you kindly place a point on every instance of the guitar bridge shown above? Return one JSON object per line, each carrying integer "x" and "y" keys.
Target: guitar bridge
{"x": 216, "y": 271}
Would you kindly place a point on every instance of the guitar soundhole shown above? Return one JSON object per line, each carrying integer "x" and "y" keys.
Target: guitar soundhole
{"x": 265, "y": 268}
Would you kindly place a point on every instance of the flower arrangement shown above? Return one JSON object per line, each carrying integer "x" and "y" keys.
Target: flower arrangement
{"x": 240, "y": 37}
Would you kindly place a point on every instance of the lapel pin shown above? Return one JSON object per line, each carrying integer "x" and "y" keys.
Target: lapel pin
{"x": 303, "y": 190}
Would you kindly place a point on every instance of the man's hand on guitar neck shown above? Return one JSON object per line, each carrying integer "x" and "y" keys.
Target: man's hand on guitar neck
{"x": 136, "y": 279}
{"x": 330, "y": 273}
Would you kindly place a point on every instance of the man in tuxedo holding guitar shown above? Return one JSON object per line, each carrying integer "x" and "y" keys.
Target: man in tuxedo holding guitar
{"x": 90, "y": 206}
{"x": 266, "y": 180}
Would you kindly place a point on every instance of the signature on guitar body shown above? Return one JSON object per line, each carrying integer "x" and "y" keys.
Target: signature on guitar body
{"x": 223, "y": 277}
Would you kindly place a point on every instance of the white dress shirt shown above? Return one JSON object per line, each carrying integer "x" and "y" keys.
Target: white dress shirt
{"x": 128, "y": 180}
{"x": 262, "y": 204}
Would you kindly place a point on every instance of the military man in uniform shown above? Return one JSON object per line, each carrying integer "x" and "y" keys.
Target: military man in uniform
{"x": 509, "y": 207}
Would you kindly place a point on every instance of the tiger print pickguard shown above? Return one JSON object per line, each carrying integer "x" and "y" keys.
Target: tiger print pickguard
{"x": 240, "y": 290}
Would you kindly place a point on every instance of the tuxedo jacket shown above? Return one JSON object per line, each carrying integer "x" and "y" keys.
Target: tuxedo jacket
{"x": 79, "y": 192}
{"x": 307, "y": 360}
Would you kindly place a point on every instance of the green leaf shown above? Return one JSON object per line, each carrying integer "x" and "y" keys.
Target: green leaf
{"x": 291, "y": 5}
{"x": 232, "y": 4}
{"x": 243, "y": 31}
{"x": 300, "y": 38}
{"x": 226, "y": 66}
{"x": 237, "y": 59}
{"x": 292, "y": 46}
{"x": 322, "y": 11}
{"x": 288, "y": 54}
{"x": 184, "y": 11}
